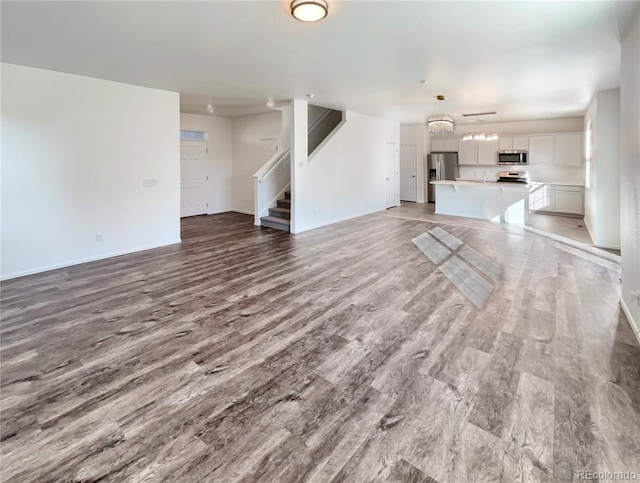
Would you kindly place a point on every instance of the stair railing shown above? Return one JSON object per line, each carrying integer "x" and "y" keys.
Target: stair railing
{"x": 270, "y": 182}
{"x": 322, "y": 128}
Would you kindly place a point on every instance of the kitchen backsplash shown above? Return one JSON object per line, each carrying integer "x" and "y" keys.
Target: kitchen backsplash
{"x": 536, "y": 173}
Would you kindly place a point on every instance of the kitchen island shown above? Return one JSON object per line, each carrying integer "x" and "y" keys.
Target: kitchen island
{"x": 492, "y": 200}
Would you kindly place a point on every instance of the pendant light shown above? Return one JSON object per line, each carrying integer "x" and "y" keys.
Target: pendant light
{"x": 440, "y": 123}
{"x": 309, "y": 10}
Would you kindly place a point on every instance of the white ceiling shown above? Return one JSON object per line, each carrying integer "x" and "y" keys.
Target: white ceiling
{"x": 525, "y": 60}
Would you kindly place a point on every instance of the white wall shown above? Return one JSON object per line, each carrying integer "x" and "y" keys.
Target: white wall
{"x": 75, "y": 152}
{"x": 346, "y": 178}
{"x": 630, "y": 171}
{"x": 247, "y": 131}
{"x": 602, "y": 196}
{"x": 591, "y": 181}
{"x": 219, "y": 158}
{"x": 416, "y": 135}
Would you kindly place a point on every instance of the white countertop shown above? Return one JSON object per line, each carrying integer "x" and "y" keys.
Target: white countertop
{"x": 492, "y": 184}
{"x": 557, "y": 183}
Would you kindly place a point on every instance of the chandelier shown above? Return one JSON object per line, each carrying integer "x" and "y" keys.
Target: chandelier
{"x": 440, "y": 123}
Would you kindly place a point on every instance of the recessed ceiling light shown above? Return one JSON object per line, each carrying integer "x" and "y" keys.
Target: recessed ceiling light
{"x": 309, "y": 10}
{"x": 311, "y": 96}
{"x": 424, "y": 81}
{"x": 271, "y": 103}
{"x": 209, "y": 109}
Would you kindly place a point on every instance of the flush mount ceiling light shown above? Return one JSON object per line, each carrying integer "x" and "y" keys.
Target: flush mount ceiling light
{"x": 440, "y": 123}
{"x": 309, "y": 10}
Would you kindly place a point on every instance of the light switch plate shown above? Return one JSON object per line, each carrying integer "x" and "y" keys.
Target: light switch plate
{"x": 149, "y": 183}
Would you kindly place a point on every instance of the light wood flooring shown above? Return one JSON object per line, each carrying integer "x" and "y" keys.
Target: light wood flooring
{"x": 565, "y": 226}
{"x": 340, "y": 354}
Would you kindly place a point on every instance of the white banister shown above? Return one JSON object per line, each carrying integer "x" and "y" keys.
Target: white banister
{"x": 270, "y": 182}
{"x": 271, "y": 164}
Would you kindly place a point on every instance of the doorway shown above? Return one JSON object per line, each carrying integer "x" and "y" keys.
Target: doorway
{"x": 391, "y": 175}
{"x": 409, "y": 173}
{"x": 193, "y": 178}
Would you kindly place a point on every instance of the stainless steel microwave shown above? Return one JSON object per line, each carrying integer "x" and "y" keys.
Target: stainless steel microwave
{"x": 513, "y": 157}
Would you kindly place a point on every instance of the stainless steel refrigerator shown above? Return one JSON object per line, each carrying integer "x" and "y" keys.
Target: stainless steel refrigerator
{"x": 440, "y": 166}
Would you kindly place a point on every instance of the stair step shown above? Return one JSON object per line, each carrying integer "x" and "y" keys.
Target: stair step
{"x": 280, "y": 212}
{"x": 284, "y": 203}
{"x": 287, "y": 195}
{"x": 275, "y": 222}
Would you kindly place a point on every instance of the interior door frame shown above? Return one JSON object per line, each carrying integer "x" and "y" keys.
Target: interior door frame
{"x": 206, "y": 174}
{"x": 415, "y": 177}
{"x": 394, "y": 177}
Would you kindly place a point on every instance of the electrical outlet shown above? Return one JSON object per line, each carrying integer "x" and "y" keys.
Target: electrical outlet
{"x": 99, "y": 237}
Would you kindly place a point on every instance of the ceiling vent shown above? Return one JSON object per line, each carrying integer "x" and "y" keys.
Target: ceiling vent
{"x": 480, "y": 113}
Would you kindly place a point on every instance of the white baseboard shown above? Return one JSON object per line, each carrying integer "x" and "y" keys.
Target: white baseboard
{"x": 244, "y": 212}
{"x": 586, "y": 224}
{"x": 632, "y": 321}
{"x": 599, "y": 245}
{"x": 78, "y": 261}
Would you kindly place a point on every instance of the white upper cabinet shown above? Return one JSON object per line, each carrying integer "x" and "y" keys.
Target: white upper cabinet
{"x": 568, "y": 150}
{"x": 451, "y": 145}
{"x": 544, "y": 149}
{"x": 505, "y": 143}
{"x": 488, "y": 152}
{"x": 521, "y": 143}
{"x": 437, "y": 145}
{"x": 468, "y": 153}
{"x": 517, "y": 143}
{"x": 541, "y": 149}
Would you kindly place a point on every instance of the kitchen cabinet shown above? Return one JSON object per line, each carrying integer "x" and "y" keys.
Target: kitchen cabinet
{"x": 451, "y": 145}
{"x": 521, "y": 143}
{"x": 437, "y": 145}
{"x": 569, "y": 199}
{"x": 505, "y": 143}
{"x": 478, "y": 152}
{"x": 542, "y": 197}
{"x": 556, "y": 198}
{"x": 513, "y": 143}
{"x": 468, "y": 152}
{"x": 488, "y": 152}
{"x": 541, "y": 150}
{"x": 568, "y": 150}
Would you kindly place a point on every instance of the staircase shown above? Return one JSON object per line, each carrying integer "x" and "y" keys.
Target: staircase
{"x": 280, "y": 215}
{"x": 273, "y": 179}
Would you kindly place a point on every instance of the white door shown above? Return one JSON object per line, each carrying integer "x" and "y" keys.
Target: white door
{"x": 193, "y": 178}
{"x": 392, "y": 175}
{"x": 408, "y": 173}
